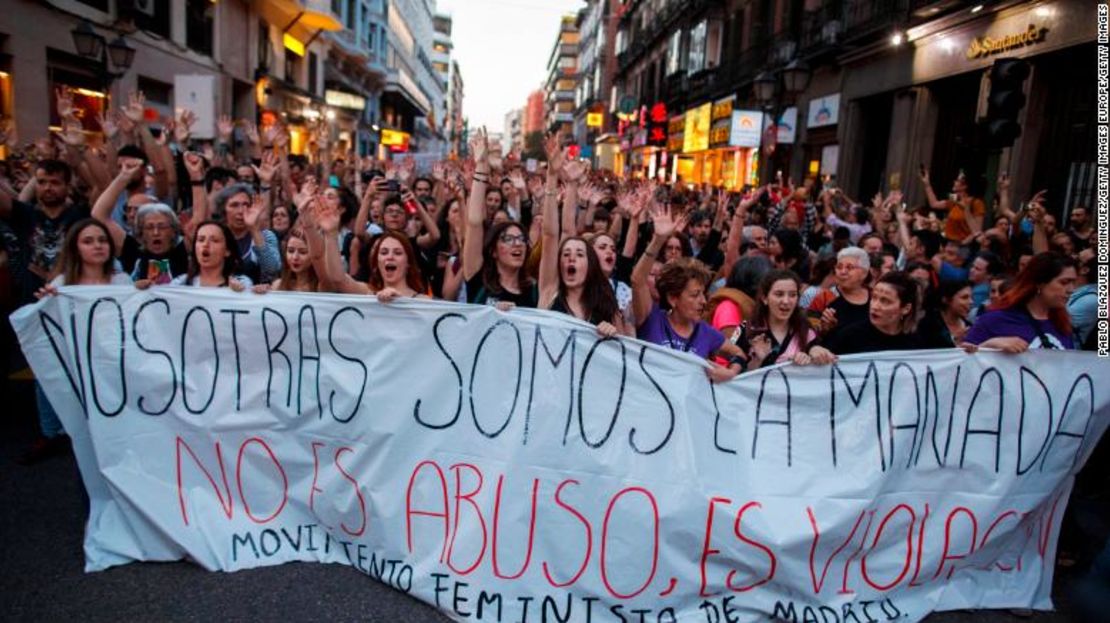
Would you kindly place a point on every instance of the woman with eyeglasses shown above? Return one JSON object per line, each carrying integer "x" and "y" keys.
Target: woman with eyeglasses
{"x": 850, "y": 304}
{"x": 493, "y": 262}
{"x": 154, "y": 252}
{"x": 890, "y": 324}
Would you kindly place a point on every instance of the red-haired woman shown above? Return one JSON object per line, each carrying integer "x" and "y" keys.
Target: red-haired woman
{"x": 1033, "y": 313}
{"x": 394, "y": 271}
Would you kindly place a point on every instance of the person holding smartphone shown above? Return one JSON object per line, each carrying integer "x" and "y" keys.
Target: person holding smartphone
{"x": 780, "y": 331}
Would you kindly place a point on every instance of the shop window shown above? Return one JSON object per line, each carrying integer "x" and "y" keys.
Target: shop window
{"x": 198, "y": 26}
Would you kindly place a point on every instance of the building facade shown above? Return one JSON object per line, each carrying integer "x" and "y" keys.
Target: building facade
{"x": 594, "y": 124}
{"x": 562, "y": 78}
{"x": 533, "y": 119}
{"x": 888, "y": 86}
{"x": 514, "y": 130}
{"x": 413, "y": 91}
{"x": 354, "y": 73}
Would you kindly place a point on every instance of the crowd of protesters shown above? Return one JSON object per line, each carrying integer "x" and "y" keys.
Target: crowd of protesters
{"x": 773, "y": 274}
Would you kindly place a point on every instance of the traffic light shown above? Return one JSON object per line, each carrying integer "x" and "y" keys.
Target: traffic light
{"x": 1005, "y": 101}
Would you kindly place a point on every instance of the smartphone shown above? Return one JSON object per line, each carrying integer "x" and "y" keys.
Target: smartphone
{"x": 393, "y": 186}
{"x": 333, "y": 181}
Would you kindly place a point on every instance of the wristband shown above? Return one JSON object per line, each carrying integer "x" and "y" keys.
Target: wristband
{"x": 196, "y": 182}
{"x": 265, "y": 188}
{"x": 737, "y": 359}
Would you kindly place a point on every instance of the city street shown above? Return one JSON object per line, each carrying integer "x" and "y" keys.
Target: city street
{"x": 660, "y": 307}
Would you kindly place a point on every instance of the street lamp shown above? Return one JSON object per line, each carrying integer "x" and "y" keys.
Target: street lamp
{"x": 795, "y": 76}
{"x": 86, "y": 40}
{"x": 764, "y": 86}
{"x": 121, "y": 54}
{"x": 795, "y": 79}
{"x": 91, "y": 44}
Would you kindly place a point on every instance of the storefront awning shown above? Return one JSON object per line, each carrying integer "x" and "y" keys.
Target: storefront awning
{"x": 301, "y": 19}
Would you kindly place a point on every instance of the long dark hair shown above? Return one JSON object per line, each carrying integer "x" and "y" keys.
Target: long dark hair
{"x": 1043, "y": 268}
{"x": 798, "y": 323}
{"x": 413, "y": 277}
{"x": 491, "y": 278}
{"x": 598, "y": 299}
{"x": 231, "y": 262}
{"x": 70, "y": 264}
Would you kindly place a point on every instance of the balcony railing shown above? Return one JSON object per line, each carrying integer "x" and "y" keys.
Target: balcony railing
{"x": 864, "y": 17}
{"x": 824, "y": 27}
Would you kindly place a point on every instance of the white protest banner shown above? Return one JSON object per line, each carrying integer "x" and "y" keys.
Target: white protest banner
{"x": 508, "y": 467}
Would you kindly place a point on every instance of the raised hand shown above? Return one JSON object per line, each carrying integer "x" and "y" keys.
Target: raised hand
{"x": 72, "y": 133}
{"x": 327, "y": 217}
{"x": 194, "y": 164}
{"x": 439, "y": 171}
{"x": 573, "y": 170}
{"x": 306, "y": 194}
{"x": 136, "y": 104}
{"x": 251, "y": 131}
{"x": 665, "y": 225}
{"x": 224, "y": 128}
{"x": 551, "y": 147}
{"x": 254, "y": 211}
{"x": 267, "y": 169}
{"x": 479, "y": 145}
{"x": 407, "y": 170}
{"x": 108, "y": 124}
{"x": 184, "y": 126}
{"x": 64, "y": 98}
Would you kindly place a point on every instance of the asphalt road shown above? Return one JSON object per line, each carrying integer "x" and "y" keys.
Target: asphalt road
{"x": 41, "y": 577}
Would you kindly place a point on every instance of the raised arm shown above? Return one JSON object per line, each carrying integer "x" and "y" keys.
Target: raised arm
{"x": 431, "y": 235}
{"x": 106, "y": 202}
{"x": 549, "y": 258}
{"x": 665, "y": 225}
{"x": 930, "y": 196}
{"x": 476, "y": 206}
{"x": 336, "y": 276}
{"x": 572, "y": 172}
{"x": 736, "y": 232}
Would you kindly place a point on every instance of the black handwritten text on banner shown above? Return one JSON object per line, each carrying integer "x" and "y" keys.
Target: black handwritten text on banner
{"x": 503, "y": 466}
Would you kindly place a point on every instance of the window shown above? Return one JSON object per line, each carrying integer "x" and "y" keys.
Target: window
{"x": 697, "y": 48}
{"x": 352, "y": 13}
{"x": 159, "y": 23}
{"x": 265, "y": 49}
{"x": 312, "y": 72}
{"x": 198, "y": 26}
{"x": 674, "y": 53}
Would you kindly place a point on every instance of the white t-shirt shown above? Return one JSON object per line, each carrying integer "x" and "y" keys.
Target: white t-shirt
{"x": 183, "y": 280}
{"x": 117, "y": 279}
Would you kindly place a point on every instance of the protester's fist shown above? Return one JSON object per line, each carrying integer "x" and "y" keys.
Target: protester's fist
{"x": 194, "y": 164}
